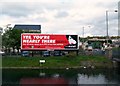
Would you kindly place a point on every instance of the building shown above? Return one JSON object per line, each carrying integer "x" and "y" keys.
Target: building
{"x": 28, "y": 28}
{"x": 96, "y": 43}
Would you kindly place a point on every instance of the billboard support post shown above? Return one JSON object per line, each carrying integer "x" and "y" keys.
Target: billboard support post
{"x": 77, "y": 52}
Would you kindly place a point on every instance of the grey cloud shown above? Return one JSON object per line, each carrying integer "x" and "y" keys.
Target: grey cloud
{"x": 18, "y": 9}
{"x": 40, "y": 19}
{"x": 61, "y": 14}
{"x": 15, "y": 9}
{"x": 99, "y": 24}
{"x": 23, "y": 9}
{"x": 107, "y": 5}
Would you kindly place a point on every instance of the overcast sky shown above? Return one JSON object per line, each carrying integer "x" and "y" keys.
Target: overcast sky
{"x": 62, "y": 16}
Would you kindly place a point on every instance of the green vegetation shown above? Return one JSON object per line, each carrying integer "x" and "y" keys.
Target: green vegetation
{"x": 58, "y": 62}
{"x": 11, "y": 39}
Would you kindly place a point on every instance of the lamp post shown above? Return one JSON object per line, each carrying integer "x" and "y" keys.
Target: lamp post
{"x": 107, "y": 27}
{"x": 83, "y": 35}
{"x": 107, "y": 35}
{"x": 83, "y": 31}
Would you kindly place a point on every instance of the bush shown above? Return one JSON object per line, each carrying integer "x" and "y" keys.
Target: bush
{"x": 71, "y": 54}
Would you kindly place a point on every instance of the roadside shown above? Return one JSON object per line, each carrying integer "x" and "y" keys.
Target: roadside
{"x": 57, "y": 62}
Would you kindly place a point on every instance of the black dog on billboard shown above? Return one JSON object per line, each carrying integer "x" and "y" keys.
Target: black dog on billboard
{"x": 72, "y": 39}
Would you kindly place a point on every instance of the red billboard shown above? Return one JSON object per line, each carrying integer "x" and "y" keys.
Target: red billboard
{"x": 36, "y": 41}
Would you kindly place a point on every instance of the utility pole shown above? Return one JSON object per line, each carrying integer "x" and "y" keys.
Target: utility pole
{"x": 107, "y": 37}
{"x": 83, "y": 35}
{"x": 107, "y": 34}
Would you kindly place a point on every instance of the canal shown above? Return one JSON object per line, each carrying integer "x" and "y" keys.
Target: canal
{"x": 66, "y": 77}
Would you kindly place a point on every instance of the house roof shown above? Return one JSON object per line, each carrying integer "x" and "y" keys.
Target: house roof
{"x": 27, "y": 27}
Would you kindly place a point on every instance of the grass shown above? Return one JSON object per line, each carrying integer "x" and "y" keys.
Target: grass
{"x": 57, "y": 62}
{"x": 0, "y": 61}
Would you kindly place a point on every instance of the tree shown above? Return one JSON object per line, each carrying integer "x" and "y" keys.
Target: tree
{"x": 12, "y": 39}
{"x": 6, "y": 40}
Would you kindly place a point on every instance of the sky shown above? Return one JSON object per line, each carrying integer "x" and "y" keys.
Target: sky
{"x": 62, "y": 16}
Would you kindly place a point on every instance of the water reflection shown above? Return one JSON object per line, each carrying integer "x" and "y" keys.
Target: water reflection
{"x": 41, "y": 74}
{"x": 66, "y": 77}
{"x": 85, "y": 79}
{"x": 43, "y": 81}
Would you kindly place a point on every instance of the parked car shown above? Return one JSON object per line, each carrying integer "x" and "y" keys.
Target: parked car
{"x": 2, "y": 53}
{"x": 45, "y": 53}
{"x": 90, "y": 48}
{"x": 58, "y": 53}
{"x": 25, "y": 53}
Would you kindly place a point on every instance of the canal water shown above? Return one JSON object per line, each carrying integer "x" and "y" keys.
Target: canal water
{"x": 63, "y": 77}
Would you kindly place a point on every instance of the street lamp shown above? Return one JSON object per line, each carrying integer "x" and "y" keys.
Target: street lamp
{"x": 83, "y": 34}
{"x": 107, "y": 37}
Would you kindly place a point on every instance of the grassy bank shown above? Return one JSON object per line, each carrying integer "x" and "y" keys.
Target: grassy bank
{"x": 58, "y": 62}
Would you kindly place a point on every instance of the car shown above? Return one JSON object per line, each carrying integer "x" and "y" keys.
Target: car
{"x": 57, "y": 53}
{"x": 89, "y": 48}
{"x": 2, "y": 53}
{"x": 25, "y": 53}
{"x": 46, "y": 53}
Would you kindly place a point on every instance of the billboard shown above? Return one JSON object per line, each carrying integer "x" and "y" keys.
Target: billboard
{"x": 36, "y": 41}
